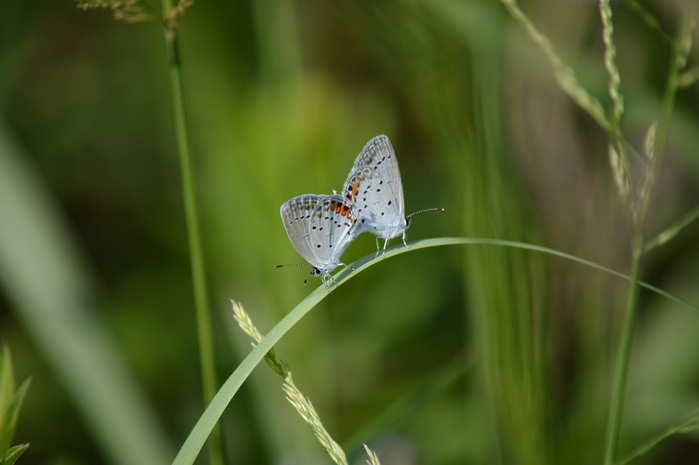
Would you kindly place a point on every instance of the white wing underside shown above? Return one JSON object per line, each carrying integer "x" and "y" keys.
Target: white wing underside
{"x": 319, "y": 227}
{"x": 375, "y": 187}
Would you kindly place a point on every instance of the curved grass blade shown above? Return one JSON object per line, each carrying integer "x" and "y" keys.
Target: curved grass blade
{"x": 687, "y": 424}
{"x": 191, "y": 447}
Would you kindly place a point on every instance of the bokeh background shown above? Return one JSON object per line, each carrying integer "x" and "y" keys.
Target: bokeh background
{"x": 453, "y": 355}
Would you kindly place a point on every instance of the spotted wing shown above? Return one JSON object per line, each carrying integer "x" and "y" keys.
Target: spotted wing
{"x": 320, "y": 227}
{"x": 374, "y": 186}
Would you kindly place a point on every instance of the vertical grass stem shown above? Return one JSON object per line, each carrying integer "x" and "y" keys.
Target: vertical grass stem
{"x": 189, "y": 191}
{"x": 679, "y": 58}
{"x": 620, "y": 376}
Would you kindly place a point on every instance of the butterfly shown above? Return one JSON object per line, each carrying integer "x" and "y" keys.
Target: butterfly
{"x": 375, "y": 188}
{"x": 320, "y": 227}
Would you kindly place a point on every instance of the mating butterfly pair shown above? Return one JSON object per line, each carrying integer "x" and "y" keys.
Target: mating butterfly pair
{"x": 320, "y": 227}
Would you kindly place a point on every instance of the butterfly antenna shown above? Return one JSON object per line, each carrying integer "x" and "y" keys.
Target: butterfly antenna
{"x": 425, "y": 210}
{"x": 293, "y": 264}
{"x": 314, "y": 271}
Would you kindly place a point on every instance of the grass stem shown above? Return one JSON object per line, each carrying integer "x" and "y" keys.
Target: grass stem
{"x": 620, "y": 376}
{"x": 679, "y": 59}
{"x": 191, "y": 206}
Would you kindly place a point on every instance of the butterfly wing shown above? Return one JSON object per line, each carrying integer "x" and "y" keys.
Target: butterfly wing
{"x": 374, "y": 186}
{"x": 319, "y": 227}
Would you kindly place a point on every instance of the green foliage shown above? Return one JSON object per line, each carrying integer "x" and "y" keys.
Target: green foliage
{"x": 10, "y": 405}
{"x": 542, "y": 123}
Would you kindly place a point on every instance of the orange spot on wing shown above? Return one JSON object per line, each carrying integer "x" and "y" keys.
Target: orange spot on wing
{"x": 352, "y": 191}
{"x": 344, "y": 210}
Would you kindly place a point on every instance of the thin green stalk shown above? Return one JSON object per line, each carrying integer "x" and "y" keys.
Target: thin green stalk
{"x": 190, "y": 192}
{"x": 563, "y": 73}
{"x": 687, "y": 424}
{"x": 680, "y": 50}
{"x": 648, "y": 19}
{"x": 671, "y": 231}
{"x": 620, "y": 377}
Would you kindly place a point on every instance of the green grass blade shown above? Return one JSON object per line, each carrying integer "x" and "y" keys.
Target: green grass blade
{"x": 546, "y": 250}
{"x": 7, "y": 379}
{"x": 51, "y": 291}
{"x": 8, "y": 418}
{"x": 648, "y": 19}
{"x": 665, "y": 236}
{"x": 13, "y": 454}
{"x": 193, "y": 444}
{"x": 687, "y": 424}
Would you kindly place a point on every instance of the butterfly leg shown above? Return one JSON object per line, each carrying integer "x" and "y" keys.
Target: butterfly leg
{"x": 378, "y": 247}
{"x": 385, "y": 244}
{"x": 405, "y": 240}
{"x": 327, "y": 278}
{"x": 348, "y": 266}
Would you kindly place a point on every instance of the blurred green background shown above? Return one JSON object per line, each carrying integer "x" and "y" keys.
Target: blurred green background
{"x": 458, "y": 355}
